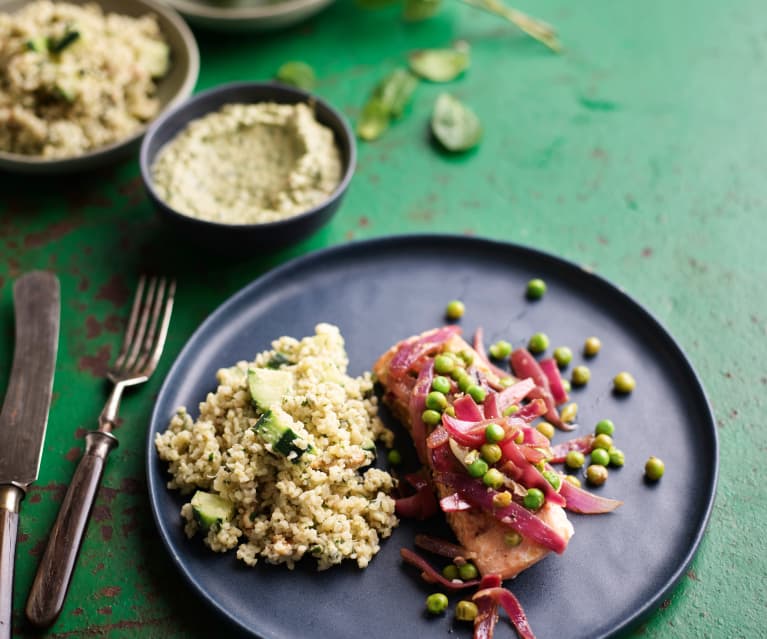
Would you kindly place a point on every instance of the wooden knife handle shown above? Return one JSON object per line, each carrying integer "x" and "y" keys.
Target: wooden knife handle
{"x": 49, "y": 588}
{"x": 10, "y": 498}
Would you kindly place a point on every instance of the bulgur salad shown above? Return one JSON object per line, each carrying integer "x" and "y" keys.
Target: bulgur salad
{"x": 277, "y": 465}
{"x": 73, "y": 79}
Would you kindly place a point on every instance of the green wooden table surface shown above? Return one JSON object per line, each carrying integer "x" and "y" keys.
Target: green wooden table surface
{"x": 638, "y": 152}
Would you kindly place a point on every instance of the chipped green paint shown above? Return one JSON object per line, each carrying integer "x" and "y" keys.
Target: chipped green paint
{"x": 637, "y": 152}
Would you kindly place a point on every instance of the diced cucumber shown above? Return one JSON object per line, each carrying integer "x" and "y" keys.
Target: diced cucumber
{"x": 268, "y": 387}
{"x": 211, "y": 509}
{"x": 277, "y": 360}
{"x": 276, "y": 430}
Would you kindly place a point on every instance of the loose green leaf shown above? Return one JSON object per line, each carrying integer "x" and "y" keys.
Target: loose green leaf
{"x": 298, "y": 74}
{"x": 388, "y": 100}
{"x": 455, "y": 125}
{"x": 440, "y": 65}
{"x": 374, "y": 120}
{"x": 416, "y": 10}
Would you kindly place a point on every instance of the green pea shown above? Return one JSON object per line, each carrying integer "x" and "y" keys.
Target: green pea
{"x": 563, "y": 355}
{"x": 512, "y": 539}
{"x": 538, "y": 343}
{"x": 455, "y": 310}
{"x": 545, "y": 429}
{"x": 491, "y": 453}
{"x": 502, "y": 499}
{"x": 493, "y": 478}
{"x": 505, "y": 382}
{"x": 450, "y": 410}
{"x": 566, "y": 385}
{"x": 596, "y": 474}
{"x": 467, "y": 357}
{"x": 468, "y": 571}
{"x": 574, "y": 459}
{"x": 450, "y": 572}
{"x": 519, "y": 438}
{"x": 604, "y": 427}
{"x": 466, "y": 610}
{"x": 494, "y": 433}
{"x": 441, "y": 384}
{"x": 591, "y": 346}
{"x": 534, "y": 499}
{"x": 572, "y": 479}
{"x": 600, "y": 457}
{"x": 436, "y": 401}
{"x": 394, "y": 457}
{"x": 436, "y": 603}
{"x": 536, "y": 289}
{"x": 431, "y": 417}
{"x": 624, "y": 383}
{"x": 465, "y": 382}
{"x": 581, "y": 376}
{"x": 500, "y": 350}
{"x": 477, "y": 468}
{"x": 477, "y": 393}
{"x": 569, "y": 413}
{"x": 617, "y": 458}
{"x": 654, "y": 469}
{"x": 603, "y": 441}
{"x": 510, "y": 410}
{"x": 552, "y": 478}
{"x": 444, "y": 364}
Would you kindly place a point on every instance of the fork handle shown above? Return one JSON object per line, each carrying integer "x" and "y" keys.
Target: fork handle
{"x": 49, "y": 589}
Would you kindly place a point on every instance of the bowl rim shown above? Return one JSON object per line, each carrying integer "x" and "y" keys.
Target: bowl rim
{"x": 229, "y": 87}
{"x": 267, "y": 10}
{"x": 18, "y": 161}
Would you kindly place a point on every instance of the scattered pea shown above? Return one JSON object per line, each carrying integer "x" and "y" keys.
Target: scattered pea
{"x": 538, "y": 343}
{"x": 566, "y": 385}
{"x": 569, "y": 413}
{"x": 604, "y": 427}
{"x": 455, "y": 310}
{"x": 574, "y": 459}
{"x": 436, "y": 401}
{"x": 505, "y": 382}
{"x": 536, "y": 289}
{"x": 552, "y": 478}
{"x": 563, "y": 355}
{"x": 450, "y": 410}
{"x": 545, "y": 429}
{"x": 477, "y": 393}
{"x": 493, "y": 478}
{"x": 431, "y": 417}
{"x": 591, "y": 346}
{"x": 465, "y": 382}
{"x": 617, "y": 458}
{"x": 603, "y": 441}
{"x": 596, "y": 474}
{"x": 500, "y": 350}
{"x": 477, "y": 468}
{"x": 441, "y": 384}
{"x": 654, "y": 468}
{"x": 467, "y": 357}
{"x": 436, "y": 603}
{"x": 466, "y": 610}
{"x": 444, "y": 364}
{"x": 572, "y": 479}
{"x": 624, "y": 383}
{"x": 519, "y": 438}
{"x": 494, "y": 433}
{"x": 491, "y": 453}
{"x": 502, "y": 499}
{"x": 450, "y": 572}
{"x": 534, "y": 499}
{"x": 394, "y": 457}
{"x": 510, "y": 410}
{"x": 600, "y": 457}
{"x": 512, "y": 538}
{"x": 468, "y": 571}
{"x": 581, "y": 376}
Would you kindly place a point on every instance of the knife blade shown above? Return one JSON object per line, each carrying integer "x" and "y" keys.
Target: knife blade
{"x": 24, "y": 416}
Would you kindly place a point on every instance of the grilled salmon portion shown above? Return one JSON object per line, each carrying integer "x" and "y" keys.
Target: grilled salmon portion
{"x": 477, "y": 531}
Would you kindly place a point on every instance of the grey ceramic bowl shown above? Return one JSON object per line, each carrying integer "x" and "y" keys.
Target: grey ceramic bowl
{"x": 247, "y": 15}
{"x": 266, "y": 236}
{"x": 177, "y": 85}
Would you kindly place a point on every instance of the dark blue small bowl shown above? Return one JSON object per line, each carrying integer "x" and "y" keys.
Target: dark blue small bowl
{"x": 268, "y": 235}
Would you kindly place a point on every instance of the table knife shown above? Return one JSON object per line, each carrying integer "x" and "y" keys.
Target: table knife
{"x": 37, "y": 306}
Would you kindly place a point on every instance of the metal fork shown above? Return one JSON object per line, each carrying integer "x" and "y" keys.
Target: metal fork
{"x": 140, "y": 351}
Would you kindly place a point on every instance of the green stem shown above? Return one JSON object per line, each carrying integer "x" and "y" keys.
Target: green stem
{"x": 541, "y": 31}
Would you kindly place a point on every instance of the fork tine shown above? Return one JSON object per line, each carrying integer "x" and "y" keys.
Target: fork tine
{"x": 138, "y": 338}
{"x": 148, "y": 346}
{"x": 130, "y": 330}
{"x": 149, "y": 366}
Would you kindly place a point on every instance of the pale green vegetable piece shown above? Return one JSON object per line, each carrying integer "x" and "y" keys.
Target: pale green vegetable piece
{"x": 374, "y": 120}
{"x": 455, "y": 125}
{"x": 388, "y": 100}
{"x": 440, "y": 65}
{"x": 421, "y": 9}
{"x": 298, "y": 74}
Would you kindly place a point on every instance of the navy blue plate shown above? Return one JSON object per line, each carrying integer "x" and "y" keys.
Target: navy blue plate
{"x": 617, "y": 567}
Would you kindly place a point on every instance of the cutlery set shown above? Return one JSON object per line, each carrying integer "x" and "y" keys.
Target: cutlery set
{"x": 23, "y": 420}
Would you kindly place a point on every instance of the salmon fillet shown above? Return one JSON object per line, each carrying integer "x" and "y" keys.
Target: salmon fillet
{"x": 476, "y": 531}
